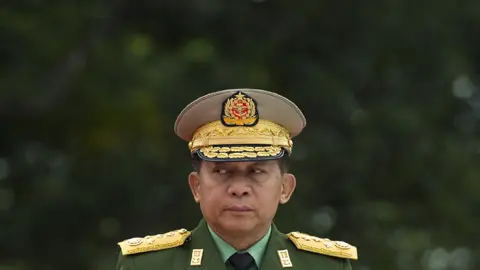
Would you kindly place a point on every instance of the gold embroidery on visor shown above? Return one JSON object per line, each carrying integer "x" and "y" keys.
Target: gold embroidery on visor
{"x": 240, "y": 152}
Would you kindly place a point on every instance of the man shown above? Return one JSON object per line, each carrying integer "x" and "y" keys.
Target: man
{"x": 239, "y": 140}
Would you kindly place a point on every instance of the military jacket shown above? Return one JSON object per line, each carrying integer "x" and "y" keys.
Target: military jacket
{"x": 195, "y": 250}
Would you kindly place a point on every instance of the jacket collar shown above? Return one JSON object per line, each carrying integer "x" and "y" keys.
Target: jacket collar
{"x": 211, "y": 259}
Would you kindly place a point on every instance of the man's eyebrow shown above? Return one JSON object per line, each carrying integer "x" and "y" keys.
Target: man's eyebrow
{"x": 215, "y": 164}
{"x": 262, "y": 163}
{"x": 233, "y": 164}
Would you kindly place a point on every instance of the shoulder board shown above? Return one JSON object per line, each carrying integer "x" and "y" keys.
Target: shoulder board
{"x": 323, "y": 245}
{"x": 154, "y": 242}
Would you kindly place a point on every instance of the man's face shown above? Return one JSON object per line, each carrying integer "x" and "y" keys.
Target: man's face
{"x": 240, "y": 196}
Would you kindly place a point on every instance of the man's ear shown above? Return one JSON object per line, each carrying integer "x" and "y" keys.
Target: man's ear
{"x": 194, "y": 183}
{"x": 288, "y": 186}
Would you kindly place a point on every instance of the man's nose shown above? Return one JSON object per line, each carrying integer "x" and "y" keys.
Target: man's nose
{"x": 239, "y": 187}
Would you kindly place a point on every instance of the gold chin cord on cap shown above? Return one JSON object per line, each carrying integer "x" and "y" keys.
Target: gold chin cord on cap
{"x": 263, "y": 133}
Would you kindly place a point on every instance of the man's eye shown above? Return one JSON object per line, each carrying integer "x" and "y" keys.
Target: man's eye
{"x": 257, "y": 171}
{"x": 220, "y": 171}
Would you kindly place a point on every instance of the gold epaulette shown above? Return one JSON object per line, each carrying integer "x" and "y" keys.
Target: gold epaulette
{"x": 154, "y": 242}
{"x": 323, "y": 245}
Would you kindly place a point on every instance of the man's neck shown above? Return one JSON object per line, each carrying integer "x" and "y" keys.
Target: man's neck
{"x": 241, "y": 241}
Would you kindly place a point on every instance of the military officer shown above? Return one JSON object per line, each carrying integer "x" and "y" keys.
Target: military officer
{"x": 239, "y": 140}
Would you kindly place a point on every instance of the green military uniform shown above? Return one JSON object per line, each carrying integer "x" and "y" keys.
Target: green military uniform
{"x": 236, "y": 125}
{"x": 202, "y": 249}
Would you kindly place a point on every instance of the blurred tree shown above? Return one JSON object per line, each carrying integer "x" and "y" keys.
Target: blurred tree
{"x": 90, "y": 91}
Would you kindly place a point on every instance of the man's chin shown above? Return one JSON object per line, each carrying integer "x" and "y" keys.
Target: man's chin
{"x": 239, "y": 225}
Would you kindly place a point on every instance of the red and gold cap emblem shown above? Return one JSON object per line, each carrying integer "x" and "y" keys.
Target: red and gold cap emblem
{"x": 239, "y": 110}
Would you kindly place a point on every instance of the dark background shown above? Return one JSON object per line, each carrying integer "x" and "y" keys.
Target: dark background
{"x": 89, "y": 92}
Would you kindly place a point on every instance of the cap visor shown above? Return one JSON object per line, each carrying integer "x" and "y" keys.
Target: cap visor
{"x": 240, "y": 153}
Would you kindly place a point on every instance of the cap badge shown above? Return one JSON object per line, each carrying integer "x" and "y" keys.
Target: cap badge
{"x": 239, "y": 110}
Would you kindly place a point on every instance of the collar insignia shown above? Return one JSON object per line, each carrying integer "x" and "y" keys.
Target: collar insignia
{"x": 196, "y": 259}
{"x": 284, "y": 258}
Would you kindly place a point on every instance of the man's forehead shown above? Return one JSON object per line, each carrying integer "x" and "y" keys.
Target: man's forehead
{"x": 241, "y": 163}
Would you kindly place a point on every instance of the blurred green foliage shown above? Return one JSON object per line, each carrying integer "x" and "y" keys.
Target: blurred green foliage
{"x": 90, "y": 91}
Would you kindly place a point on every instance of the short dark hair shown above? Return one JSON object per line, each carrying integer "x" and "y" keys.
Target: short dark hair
{"x": 283, "y": 163}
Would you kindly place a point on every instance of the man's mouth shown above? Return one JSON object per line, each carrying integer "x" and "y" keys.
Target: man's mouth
{"x": 239, "y": 208}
